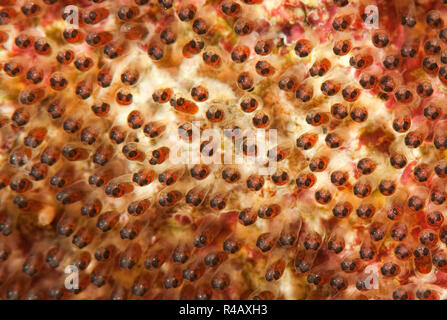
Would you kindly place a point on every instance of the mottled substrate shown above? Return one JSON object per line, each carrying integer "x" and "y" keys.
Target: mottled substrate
{"x": 359, "y": 193}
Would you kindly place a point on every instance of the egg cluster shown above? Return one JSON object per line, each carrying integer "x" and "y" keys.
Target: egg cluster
{"x": 96, "y": 94}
